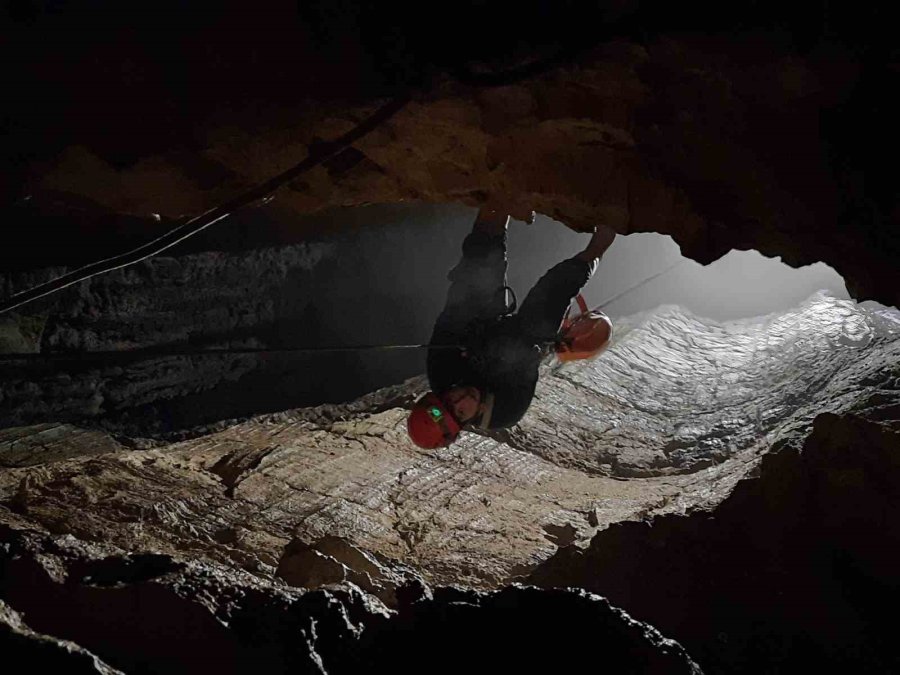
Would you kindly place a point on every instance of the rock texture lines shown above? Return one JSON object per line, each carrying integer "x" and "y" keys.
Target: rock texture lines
{"x": 675, "y": 412}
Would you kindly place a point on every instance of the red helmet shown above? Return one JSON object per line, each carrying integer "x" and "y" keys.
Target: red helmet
{"x": 585, "y": 336}
{"x": 431, "y": 424}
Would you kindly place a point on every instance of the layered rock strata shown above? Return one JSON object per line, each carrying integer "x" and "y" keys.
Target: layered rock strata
{"x": 769, "y": 135}
{"x": 337, "y": 495}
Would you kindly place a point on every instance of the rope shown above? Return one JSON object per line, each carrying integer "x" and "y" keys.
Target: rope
{"x": 154, "y": 352}
{"x": 319, "y": 153}
{"x": 642, "y": 283}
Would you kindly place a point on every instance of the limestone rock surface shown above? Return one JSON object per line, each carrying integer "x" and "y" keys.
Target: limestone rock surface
{"x": 677, "y": 448}
{"x": 674, "y": 413}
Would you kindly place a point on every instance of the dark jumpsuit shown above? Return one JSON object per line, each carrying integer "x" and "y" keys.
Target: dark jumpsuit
{"x": 502, "y": 351}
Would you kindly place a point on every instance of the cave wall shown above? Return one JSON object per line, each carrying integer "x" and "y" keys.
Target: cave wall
{"x": 794, "y": 568}
{"x": 196, "y": 618}
{"x": 338, "y": 495}
{"x": 767, "y": 133}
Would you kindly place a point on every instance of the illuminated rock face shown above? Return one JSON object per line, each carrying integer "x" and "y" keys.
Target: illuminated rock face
{"x": 337, "y": 494}
{"x": 679, "y": 393}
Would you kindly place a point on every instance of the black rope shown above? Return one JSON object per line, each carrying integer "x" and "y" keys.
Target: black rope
{"x": 638, "y": 285}
{"x": 156, "y": 352}
{"x": 318, "y": 153}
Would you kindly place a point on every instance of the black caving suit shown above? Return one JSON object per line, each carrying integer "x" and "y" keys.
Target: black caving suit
{"x": 503, "y": 350}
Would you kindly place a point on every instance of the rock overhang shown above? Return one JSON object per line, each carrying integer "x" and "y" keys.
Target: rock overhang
{"x": 721, "y": 140}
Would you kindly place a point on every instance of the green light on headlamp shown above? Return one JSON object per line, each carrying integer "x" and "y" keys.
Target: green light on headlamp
{"x": 436, "y": 413}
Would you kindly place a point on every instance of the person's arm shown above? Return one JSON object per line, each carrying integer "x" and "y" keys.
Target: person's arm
{"x": 601, "y": 240}
{"x": 542, "y": 311}
{"x": 478, "y": 280}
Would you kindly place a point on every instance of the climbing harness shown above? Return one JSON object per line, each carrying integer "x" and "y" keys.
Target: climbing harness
{"x": 156, "y": 352}
{"x": 587, "y": 335}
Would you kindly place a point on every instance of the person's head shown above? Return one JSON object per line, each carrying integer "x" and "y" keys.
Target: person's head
{"x": 464, "y": 402}
{"x": 436, "y": 420}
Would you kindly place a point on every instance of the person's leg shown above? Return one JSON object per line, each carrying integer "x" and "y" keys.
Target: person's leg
{"x": 544, "y": 308}
{"x": 601, "y": 240}
{"x": 477, "y": 282}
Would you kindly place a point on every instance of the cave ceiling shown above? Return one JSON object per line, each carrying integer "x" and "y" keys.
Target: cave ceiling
{"x": 766, "y": 133}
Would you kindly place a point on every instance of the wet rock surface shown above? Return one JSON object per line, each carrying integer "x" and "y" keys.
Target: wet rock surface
{"x": 679, "y": 393}
{"x": 261, "y": 493}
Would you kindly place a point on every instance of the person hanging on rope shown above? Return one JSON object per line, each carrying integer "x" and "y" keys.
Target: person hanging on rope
{"x": 490, "y": 382}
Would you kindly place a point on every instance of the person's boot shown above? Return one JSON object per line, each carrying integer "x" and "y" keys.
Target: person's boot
{"x": 601, "y": 240}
